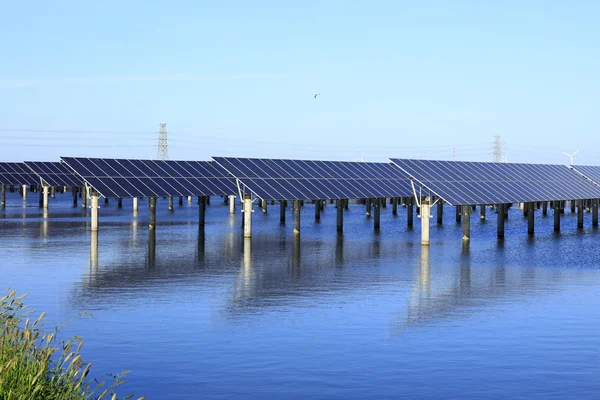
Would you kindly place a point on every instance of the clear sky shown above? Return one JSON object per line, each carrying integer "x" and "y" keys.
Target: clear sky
{"x": 237, "y": 78}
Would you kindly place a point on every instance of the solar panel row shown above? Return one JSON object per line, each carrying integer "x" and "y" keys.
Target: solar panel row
{"x": 14, "y": 173}
{"x": 588, "y": 171}
{"x": 469, "y": 183}
{"x": 311, "y": 180}
{"x": 54, "y": 173}
{"x": 149, "y": 178}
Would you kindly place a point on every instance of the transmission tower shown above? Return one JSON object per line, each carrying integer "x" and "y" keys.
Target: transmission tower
{"x": 497, "y": 149}
{"x": 163, "y": 147}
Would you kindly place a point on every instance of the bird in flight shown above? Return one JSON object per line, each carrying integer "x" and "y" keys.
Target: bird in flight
{"x": 316, "y": 94}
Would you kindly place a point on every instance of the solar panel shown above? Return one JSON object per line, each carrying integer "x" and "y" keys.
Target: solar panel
{"x": 590, "y": 172}
{"x": 152, "y": 178}
{"x": 17, "y": 173}
{"x": 471, "y": 183}
{"x": 54, "y": 173}
{"x": 276, "y": 179}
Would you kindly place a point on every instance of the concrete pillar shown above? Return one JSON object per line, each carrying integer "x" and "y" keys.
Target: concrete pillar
{"x": 247, "y": 210}
{"x": 409, "y": 212}
{"x": 500, "y": 208}
{"x": 119, "y": 202}
{"x": 377, "y": 219}
{"x": 383, "y": 202}
{"x": 531, "y": 218}
{"x": 394, "y": 206}
{"x": 466, "y": 223}
{"x": 152, "y": 212}
{"x": 201, "y": 211}
{"x": 573, "y": 206}
{"x": 135, "y": 204}
{"x": 53, "y": 192}
{"x": 368, "y": 208}
{"x": 346, "y": 203}
{"x": 340, "y": 216}
{"x": 296, "y": 217}
{"x": 40, "y": 197}
{"x": 3, "y": 196}
{"x": 580, "y": 214}
{"x": 425, "y": 212}
{"x": 282, "y": 205}
{"x": 545, "y": 208}
{"x": 170, "y": 203}
{"x": 482, "y": 212}
{"x": 458, "y": 214}
{"x": 594, "y": 213}
{"x": 264, "y": 206}
{"x": 74, "y": 193}
{"x": 440, "y": 211}
{"x": 45, "y": 196}
{"x": 317, "y": 210}
{"x": 189, "y": 199}
{"x": 94, "y": 212}
{"x": 231, "y": 204}
{"x": 557, "y": 212}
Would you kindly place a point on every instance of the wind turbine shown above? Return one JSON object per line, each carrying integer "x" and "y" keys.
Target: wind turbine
{"x": 571, "y": 156}
{"x": 360, "y": 159}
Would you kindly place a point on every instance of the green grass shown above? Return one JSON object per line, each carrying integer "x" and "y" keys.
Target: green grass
{"x": 35, "y": 366}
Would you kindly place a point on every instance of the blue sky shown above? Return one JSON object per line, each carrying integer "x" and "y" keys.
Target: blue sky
{"x": 237, "y": 78}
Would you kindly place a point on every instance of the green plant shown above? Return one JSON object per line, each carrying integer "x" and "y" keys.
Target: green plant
{"x": 33, "y": 366}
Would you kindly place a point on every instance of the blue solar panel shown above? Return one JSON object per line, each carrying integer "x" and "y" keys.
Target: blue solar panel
{"x": 54, "y": 173}
{"x": 588, "y": 171}
{"x": 150, "y": 178}
{"x": 312, "y": 180}
{"x": 471, "y": 183}
{"x": 14, "y": 173}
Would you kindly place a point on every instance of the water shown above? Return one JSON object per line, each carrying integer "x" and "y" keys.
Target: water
{"x": 369, "y": 315}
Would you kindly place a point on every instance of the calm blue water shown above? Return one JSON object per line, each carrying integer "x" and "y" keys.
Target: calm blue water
{"x": 369, "y": 315}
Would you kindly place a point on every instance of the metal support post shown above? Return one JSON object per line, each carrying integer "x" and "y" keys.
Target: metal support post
{"x": 170, "y": 203}
{"x": 580, "y": 214}
{"x": 317, "y": 210}
{"x": 45, "y": 196}
{"x": 440, "y": 211}
{"x": 202, "y": 211}
{"x": 482, "y": 212}
{"x": 557, "y": 212}
{"x": 531, "y": 218}
{"x": 394, "y": 206}
{"x": 231, "y": 204}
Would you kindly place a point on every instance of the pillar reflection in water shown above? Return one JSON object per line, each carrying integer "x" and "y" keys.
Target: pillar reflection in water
{"x": 201, "y": 246}
{"x": 243, "y": 285}
{"x": 339, "y": 250}
{"x": 94, "y": 254}
{"x": 151, "y": 260}
{"x": 296, "y": 259}
{"x": 44, "y": 225}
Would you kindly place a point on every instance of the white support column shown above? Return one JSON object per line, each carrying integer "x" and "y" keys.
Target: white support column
{"x": 231, "y": 204}
{"x": 189, "y": 199}
{"x": 247, "y": 215}
{"x": 24, "y": 189}
{"x": 135, "y": 204}
{"x": 425, "y": 213}
{"x": 94, "y": 212}
{"x": 45, "y": 199}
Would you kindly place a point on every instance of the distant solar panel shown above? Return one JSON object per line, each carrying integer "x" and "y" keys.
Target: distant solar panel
{"x": 312, "y": 180}
{"x": 17, "y": 173}
{"x": 150, "y": 178}
{"x": 470, "y": 183}
{"x": 54, "y": 173}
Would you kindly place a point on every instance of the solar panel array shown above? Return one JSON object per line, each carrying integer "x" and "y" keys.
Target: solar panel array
{"x": 15, "y": 173}
{"x": 149, "y": 178}
{"x": 471, "y": 183}
{"x": 54, "y": 173}
{"x": 312, "y": 180}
